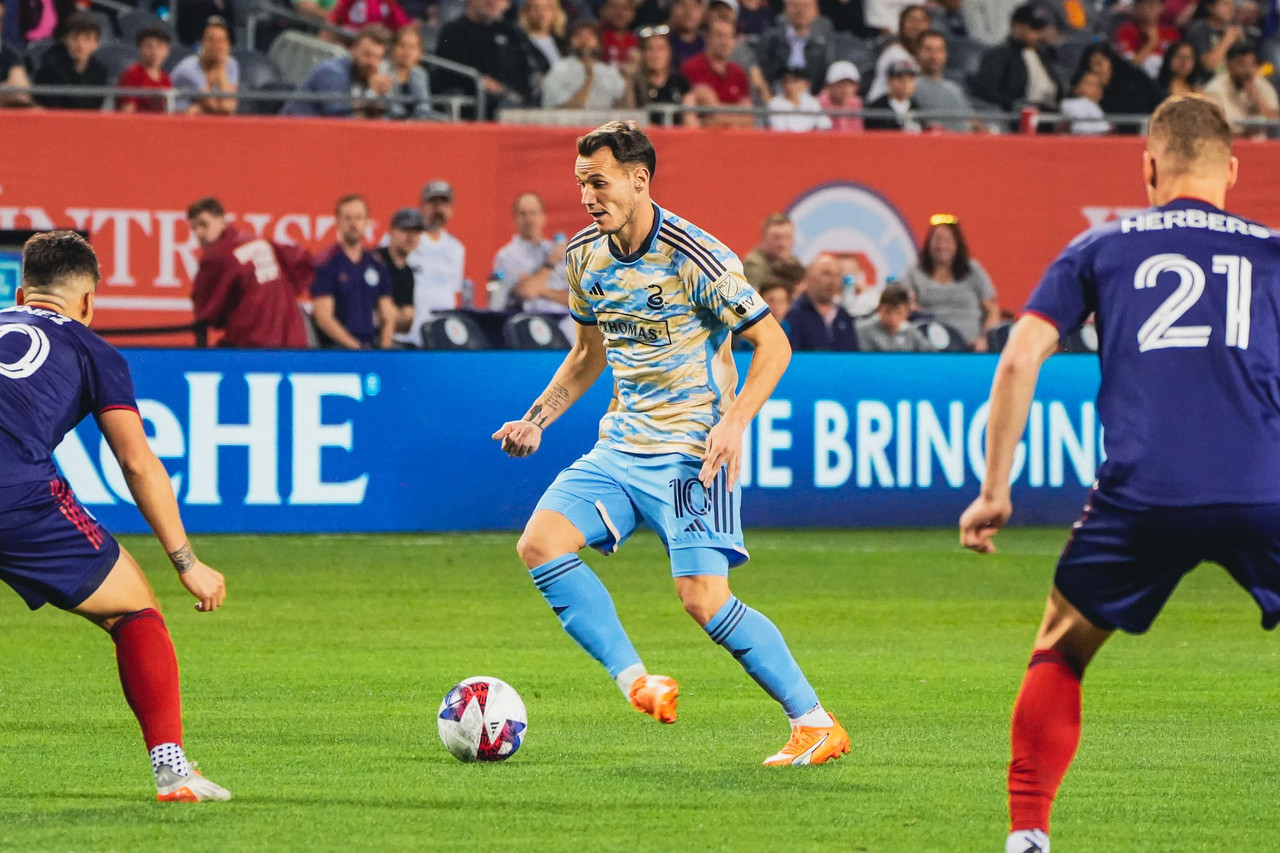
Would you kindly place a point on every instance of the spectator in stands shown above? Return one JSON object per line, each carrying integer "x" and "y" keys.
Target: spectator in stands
{"x": 1020, "y": 71}
{"x": 1214, "y": 32}
{"x": 818, "y": 321}
{"x": 1180, "y": 73}
{"x": 581, "y": 80}
{"x": 936, "y": 92}
{"x": 888, "y": 330}
{"x": 1142, "y": 39}
{"x": 12, "y": 72}
{"x": 882, "y": 15}
{"x": 1084, "y": 116}
{"x": 794, "y": 109}
{"x": 951, "y": 286}
{"x": 194, "y": 17}
{"x": 213, "y": 70}
{"x": 402, "y": 237}
{"x": 498, "y": 49}
{"x": 685, "y": 28}
{"x": 841, "y": 93}
{"x": 716, "y": 81}
{"x": 153, "y": 44}
{"x": 1243, "y": 94}
{"x": 900, "y": 98}
{"x": 654, "y": 80}
{"x": 318, "y": 10}
{"x": 408, "y": 77}
{"x": 532, "y": 267}
{"x": 438, "y": 261}
{"x": 358, "y": 14}
{"x": 246, "y": 287}
{"x": 800, "y": 38}
{"x": 35, "y": 20}
{"x": 358, "y": 74}
{"x": 776, "y": 293}
{"x": 913, "y": 23}
{"x": 756, "y": 16}
{"x": 351, "y": 295}
{"x": 847, "y": 16}
{"x": 652, "y": 13}
{"x": 543, "y": 22}
{"x": 71, "y": 62}
{"x": 947, "y": 17}
{"x": 1126, "y": 89}
{"x": 777, "y": 244}
{"x": 617, "y": 41}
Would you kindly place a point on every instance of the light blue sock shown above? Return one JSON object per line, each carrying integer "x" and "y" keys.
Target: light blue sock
{"x": 586, "y": 611}
{"x": 757, "y": 644}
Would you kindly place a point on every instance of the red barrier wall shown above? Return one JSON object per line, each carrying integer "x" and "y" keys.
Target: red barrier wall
{"x": 128, "y": 179}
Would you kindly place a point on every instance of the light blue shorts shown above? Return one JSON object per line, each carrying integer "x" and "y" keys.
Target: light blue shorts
{"x": 607, "y": 493}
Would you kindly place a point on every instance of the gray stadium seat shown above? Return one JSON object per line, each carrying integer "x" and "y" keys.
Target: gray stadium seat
{"x": 942, "y": 337}
{"x": 533, "y": 331}
{"x": 1083, "y": 340}
{"x": 964, "y": 55}
{"x": 295, "y": 54}
{"x": 452, "y": 330}
{"x": 117, "y": 56}
{"x": 177, "y": 53}
{"x": 849, "y": 47}
{"x": 998, "y": 336}
{"x": 35, "y": 52}
{"x": 131, "y": 22}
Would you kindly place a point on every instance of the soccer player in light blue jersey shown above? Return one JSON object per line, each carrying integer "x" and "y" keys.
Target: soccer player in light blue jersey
{"x": 658, "y": 300}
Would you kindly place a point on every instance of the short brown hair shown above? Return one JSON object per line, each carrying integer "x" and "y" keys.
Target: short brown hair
{"x": 1189, "y": 127}
{"x": 350, "y": 198}
{"x": 208, "y": 204}
{"x": 374, "y": 33}
{"x": 81, "y": 22}
{"x": 776, "y": 283}
{"x": 775, "y": 219}
{"x": 51, "y": 259}
{"x": 895, "y": 296}
{"x": 625, "y": 139}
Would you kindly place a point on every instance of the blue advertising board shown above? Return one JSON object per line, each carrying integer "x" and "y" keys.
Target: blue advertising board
{"x": 344, "y": 442}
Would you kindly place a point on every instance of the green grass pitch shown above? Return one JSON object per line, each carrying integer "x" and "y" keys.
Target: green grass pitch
{"x": 313, "y": 694}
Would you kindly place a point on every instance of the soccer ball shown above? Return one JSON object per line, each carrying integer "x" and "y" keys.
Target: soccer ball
{"x": 482, "y": 719}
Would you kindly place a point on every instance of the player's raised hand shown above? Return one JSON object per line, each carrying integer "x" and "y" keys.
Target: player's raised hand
{"x": 724, "y": 450}
{"x": 209, "y": 586}
{"x": 519, "y": 438}
{"x": 982, "y": 521}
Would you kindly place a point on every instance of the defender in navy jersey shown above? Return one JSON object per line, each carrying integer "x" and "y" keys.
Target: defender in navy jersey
{"x": 54, "y": 372}
{"x": 1187, "y": 303}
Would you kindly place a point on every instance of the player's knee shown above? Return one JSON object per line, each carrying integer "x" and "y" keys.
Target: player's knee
{"x": 699, "y": 609}
{"x": 536, "y": 547}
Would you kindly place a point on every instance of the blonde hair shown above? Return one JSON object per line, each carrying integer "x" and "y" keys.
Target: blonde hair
{"x": 558, "y": 18}
{"x": 1189, "y": 128}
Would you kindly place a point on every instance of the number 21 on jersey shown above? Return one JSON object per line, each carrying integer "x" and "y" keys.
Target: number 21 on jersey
{"x": 1159, "y": 332}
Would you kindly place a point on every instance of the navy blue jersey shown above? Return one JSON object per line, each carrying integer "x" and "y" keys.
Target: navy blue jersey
{"x": 1187, "y": 299}
{"x": 53, "y": 372}
{"x": 356, "y": 288}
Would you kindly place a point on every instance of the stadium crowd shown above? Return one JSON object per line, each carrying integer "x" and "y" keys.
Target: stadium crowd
{"x": 412, "y": 290}
{"x": 919, "y": 67}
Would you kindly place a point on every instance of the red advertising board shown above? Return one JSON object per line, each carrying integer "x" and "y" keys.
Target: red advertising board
{"x": 128, "y": 179}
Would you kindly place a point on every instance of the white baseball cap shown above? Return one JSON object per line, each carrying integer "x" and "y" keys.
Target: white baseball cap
{"x": 843, "y": 70}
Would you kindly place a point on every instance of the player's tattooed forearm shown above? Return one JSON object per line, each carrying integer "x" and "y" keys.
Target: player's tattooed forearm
{"x": 535, "y": 416}
{"x": 183, "y": 560}
{"x": 555, "y": 399}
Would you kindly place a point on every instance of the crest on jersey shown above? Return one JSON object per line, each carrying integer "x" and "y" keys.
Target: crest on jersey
{"x": 854, "y": 223}
{"x": 30, "y": 361}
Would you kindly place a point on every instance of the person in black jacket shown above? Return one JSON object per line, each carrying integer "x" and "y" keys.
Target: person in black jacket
{"x": 1021, "y": 70}
{"x": 817, "y": 320}
{"x": 1126, "y": 88}
{"x": 71, "y": 62}
{"x": 497, "y": 48}
{"x": 800, "y": 22}
{"x": 900, "y": 98}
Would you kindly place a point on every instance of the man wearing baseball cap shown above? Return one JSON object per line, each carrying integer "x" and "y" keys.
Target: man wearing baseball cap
{"x": 437, "y": 261}
{"x": 900, "y": 98}
{"x": 1020, "y": 71}
{"x": 403, "y": 234}
{"x": 841, "y": 93}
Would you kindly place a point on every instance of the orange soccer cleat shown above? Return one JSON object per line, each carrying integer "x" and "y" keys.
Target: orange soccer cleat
{"x": 812, "y": 745}
{"x": 194, "y": 788}
{"x": 656, "y": 696}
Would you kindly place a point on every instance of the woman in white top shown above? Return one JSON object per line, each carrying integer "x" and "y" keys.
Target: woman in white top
{"x": 951, "y": 286}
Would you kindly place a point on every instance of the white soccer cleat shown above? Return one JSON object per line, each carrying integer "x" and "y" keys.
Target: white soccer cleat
{"x": 172, "y": 788}
{"x": 1027, "y": 841}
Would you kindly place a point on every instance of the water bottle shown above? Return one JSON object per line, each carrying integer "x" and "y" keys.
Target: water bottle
{"x": 850, "y": 291}
{"x": 468, "y": 295}
{"x": 496, "y": 292}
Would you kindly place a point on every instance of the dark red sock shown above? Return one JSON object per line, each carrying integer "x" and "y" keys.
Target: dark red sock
{"x": 149, "y": 675}
{"x": 1045, "y": 734}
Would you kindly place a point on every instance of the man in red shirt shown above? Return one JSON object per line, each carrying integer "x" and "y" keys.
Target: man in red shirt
{"x": 617, "y": 41}
{"x": 358, "y": 14}
{"x": 247, "y": 287}
{"x": 715, "y": 81}
{"x": 153, "y": 49}
{"x": 1143, "y": 39}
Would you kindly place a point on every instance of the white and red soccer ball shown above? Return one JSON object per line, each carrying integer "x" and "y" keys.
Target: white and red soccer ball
{"x": 482, "y": 719}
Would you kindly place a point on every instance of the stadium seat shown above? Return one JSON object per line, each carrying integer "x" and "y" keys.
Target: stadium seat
{"x": 940, "y": 336}
{"x": 177, "y": 53}
{"x": 998, "y": 336}
{"x": 1083, "y": 339}
{"x": 295, "y": 54}
{"x": 35, "y": 52}
{"x": 964, "y": 55}
{"x": 131, "y": 22}
{"x": 1071, "y": 50}
{"x": 452, "y": 330}
{"x": 533, "y": 331}
{"x": 849, "y": 47}
{"x": 257, "y": 71}
{"x": 116, "y": 56}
